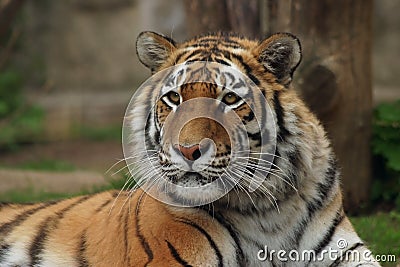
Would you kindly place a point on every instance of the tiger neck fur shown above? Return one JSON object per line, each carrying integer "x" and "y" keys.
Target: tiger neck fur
{"x": 284, "y": 223}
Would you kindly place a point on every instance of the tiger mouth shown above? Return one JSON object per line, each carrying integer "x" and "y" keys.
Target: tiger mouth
{"x": 194, "y": 175}
{"x": 196, "y": 178}
{"x": 191, "y": 179}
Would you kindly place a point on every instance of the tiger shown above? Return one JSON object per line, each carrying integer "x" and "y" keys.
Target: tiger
{"x": 296, "y": 207}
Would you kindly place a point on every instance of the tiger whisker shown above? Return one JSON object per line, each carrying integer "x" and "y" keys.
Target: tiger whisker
{"x": 263, "y": 160}
{"x": 134, "y": 163}
{"x": 149, "y": 185}
{"x": 260, "y": 153}
{"x": 243, "y": 189}
{"x": 233, "y": 187}
{"x": 127, "y": 184}
{"x": 124, "y": 159}
{"x": 142, "y": 194}
{"x": 279, "y": 169}
{"x": 225, "y": 187}
{"x": 271, "y": 171}
{"x": 262, "y": 184}
{"x": 264, "y": 190}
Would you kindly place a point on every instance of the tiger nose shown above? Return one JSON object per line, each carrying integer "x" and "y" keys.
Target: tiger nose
{"x": 190, "y": 152}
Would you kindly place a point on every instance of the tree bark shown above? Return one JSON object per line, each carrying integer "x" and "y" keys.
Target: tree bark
{"x": 240, "y": 16}
{"x": 8, "y": 11}
{"x": 204, "y": 16}
{"x": 334, "y": 77}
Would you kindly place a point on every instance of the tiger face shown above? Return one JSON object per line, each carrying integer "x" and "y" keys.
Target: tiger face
{"x": 207, "y": 121}
{"x": 198, "y": 151}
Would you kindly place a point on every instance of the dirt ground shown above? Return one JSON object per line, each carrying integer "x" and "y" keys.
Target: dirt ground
{"x": 91, "y": 159}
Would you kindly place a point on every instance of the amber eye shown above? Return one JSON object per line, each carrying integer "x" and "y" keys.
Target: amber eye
{"x": 174, "y": 97}
{"x": 230, "y": 98}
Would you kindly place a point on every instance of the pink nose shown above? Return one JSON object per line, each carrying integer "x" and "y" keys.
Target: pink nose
{"x": 191, "y": 152}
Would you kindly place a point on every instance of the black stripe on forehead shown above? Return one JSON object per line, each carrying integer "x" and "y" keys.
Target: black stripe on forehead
{"x": 239, "y": 84}
{"x": 199, "y": 89}
{"x": 194, "y": 54}
{"x": 222, "y": 57}
{"x": 222, "y": 61}
{"x": 215, "y": 39}
{"x": 247, "y": 69}
{"x": 218, "y": 37}
{"x": 185, "y": 55}
{"x": 179, "y": 56}
{"x": 214, "y": 54}
{"x": 215, "y": 43}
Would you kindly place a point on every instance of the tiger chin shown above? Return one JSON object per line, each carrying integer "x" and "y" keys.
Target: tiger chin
{"x": 296, "y": 207}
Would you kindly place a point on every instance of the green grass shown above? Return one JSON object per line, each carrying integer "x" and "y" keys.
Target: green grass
{"x": 43, "y": 165}
{"x": 29, "y": 194}
{"x": 47, "y": 165}
{"x": 32, "y": 194}
{"x": 381, "y": 232}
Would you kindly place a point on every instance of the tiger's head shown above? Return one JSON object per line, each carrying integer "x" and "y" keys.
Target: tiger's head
{"x": 205, "y": 110}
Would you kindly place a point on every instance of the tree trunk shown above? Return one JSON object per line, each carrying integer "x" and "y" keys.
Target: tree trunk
{"x": 8, "y": 11}
{"x": 240, "y": 16}
{"x": 334, "y": 77}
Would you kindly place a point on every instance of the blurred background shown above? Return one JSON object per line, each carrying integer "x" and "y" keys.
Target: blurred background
{"x": 68, "y": 70}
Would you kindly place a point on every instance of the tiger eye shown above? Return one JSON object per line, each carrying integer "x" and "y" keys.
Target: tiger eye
{"x": 174, "y": 97}
{"x": 230, "y": 98}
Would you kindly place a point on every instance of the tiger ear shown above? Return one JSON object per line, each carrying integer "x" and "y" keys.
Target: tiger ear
{"x": 153, "y": 49}
{"x": 280, "y": 54}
